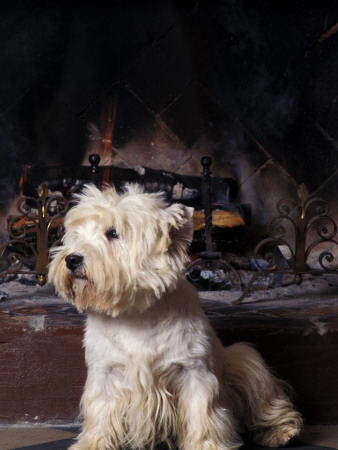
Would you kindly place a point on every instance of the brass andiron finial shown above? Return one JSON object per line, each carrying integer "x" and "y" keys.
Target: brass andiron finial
{"x": 304, "y": 216}
{"x": 34, "y": 214}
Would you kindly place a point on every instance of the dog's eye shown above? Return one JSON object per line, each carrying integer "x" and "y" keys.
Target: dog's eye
{"x": 111, "y": 234}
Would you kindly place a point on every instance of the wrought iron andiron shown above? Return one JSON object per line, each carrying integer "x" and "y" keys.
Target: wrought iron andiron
{"x": 209, "y": 268}
{"x": 305, "y": 215}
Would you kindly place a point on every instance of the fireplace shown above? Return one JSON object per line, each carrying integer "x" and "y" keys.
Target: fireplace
{"x": 152, "y": 88}
{"x": 162, "y": 85}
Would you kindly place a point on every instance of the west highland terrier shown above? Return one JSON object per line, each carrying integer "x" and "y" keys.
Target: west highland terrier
{"x": 157, "y": 373}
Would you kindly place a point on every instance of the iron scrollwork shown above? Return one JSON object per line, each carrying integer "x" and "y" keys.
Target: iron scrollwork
{"x": 40, "y": 215}
{"x": 306, "y": 217}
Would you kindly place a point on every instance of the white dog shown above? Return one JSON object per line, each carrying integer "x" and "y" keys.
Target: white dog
{"x": 156, "y": 370}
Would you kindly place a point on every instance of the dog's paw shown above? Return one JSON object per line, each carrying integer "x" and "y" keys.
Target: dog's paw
{"x": 78, "y": 446}
{"x": 276, "y": 436}
{"x": 82, "y": 446}
{"x": 74, "y": 447}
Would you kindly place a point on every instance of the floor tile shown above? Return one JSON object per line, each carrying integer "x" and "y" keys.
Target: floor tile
{"x": 325, "y": 436}
{"x": 16, "y": 437}
{"x": 52, "y": 438}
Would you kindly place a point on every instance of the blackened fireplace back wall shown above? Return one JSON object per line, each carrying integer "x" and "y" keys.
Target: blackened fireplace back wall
{"x": 253, "y": 85}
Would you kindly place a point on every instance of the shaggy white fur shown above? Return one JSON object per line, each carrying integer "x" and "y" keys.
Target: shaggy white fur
{"x": 156, "y": 370}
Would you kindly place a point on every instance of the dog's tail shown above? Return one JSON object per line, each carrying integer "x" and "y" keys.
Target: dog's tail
{"x": 259, "y": 400}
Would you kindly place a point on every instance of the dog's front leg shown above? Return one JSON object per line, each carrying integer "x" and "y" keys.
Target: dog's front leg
{"x": 203, "y": 423}
{"x": 95, "y": 435}
{"x": 102, "y": 407}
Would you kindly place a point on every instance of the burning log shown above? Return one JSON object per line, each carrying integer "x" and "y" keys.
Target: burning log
{"x": 221, "y": 219}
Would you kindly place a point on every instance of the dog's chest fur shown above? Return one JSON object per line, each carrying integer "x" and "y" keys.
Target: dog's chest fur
{"x": 171, "y": 336}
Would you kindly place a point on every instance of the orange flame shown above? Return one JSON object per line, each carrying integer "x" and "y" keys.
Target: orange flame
{"x": 108, "y": 118}
{"x": 21, "y": 182}
{"x": 23, "y": 176}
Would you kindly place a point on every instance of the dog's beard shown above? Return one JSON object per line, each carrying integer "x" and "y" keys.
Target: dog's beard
{"x": 72, "y": 283}
{"x": 81, "y": 290}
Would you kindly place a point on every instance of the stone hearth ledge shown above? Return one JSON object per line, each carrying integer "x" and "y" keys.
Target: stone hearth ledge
{"x": 42, "y": 369}
{"x": 313, "y": 306}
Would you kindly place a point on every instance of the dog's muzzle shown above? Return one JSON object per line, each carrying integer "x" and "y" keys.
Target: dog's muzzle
{"x": 74, "y": 261}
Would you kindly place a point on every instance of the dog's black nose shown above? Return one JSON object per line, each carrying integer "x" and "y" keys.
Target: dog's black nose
{"x": 73, "y": 261}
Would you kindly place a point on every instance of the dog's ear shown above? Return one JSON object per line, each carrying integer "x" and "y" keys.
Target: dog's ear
{"x": 176, "y": 228}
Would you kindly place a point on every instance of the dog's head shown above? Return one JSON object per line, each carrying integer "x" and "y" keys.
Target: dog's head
{"x": 120, "y": 253}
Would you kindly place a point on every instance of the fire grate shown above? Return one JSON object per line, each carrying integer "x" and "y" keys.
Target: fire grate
{"x": 38, "y": 226}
